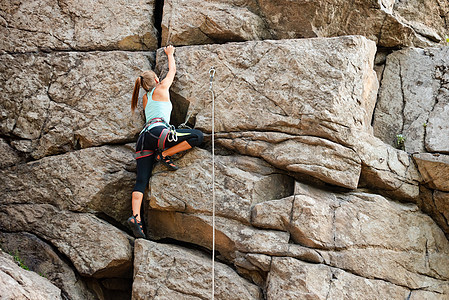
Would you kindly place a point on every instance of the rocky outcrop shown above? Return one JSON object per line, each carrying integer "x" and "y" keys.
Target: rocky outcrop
{"x": 337, "y": 230}
{"x": 412, "y": 103}
{"x": 28, "y": 26}
{"x": 17, "y": 283}
{"x": 39, "y": 257}
{"x": 313, "y": 196}
{"x": 389, "y": 23}
{"x": 160, "y": 271}
{"x": 83, "y": 238}
{"x": 413, "y": 100}
{"x": 90, "y": 180}
{"x": 279, "y": 115}
{"x": 293, "y": 279}
{"x": 43, "y": 115}
{"x": 241, "y": 182}
{"x": 434, "y": 169}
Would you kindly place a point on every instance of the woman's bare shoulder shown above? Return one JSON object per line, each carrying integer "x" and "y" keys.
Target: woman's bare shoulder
{"x": 161, "y": 94}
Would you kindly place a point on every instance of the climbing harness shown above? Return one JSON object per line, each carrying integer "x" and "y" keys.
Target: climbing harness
{"x": 168, "y": 134}
{"x": 211, "y": 89}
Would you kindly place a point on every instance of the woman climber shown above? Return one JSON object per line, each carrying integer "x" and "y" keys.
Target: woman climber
{"x": 158, "y": 140}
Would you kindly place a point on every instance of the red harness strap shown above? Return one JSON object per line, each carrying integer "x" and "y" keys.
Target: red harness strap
{"x": 143, "y": 153}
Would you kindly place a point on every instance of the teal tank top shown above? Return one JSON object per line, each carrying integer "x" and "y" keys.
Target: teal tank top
{"x": 157, "y": 109}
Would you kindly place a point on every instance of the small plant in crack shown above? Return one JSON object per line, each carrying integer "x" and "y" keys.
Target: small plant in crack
{"x": 19, "y": 260}
{"x": 400, "y": 142}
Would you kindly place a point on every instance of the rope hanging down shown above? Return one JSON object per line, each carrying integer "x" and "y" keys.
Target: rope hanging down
{"x": 211, "y": 89}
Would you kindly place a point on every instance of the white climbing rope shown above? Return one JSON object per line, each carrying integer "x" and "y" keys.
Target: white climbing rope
{"x": 211, "y": 89}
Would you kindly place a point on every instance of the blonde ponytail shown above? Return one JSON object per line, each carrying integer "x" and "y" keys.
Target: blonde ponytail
{"x": 135, "y": 96}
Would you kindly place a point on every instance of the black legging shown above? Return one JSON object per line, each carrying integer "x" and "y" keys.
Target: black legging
{"x": 145, "y": 163}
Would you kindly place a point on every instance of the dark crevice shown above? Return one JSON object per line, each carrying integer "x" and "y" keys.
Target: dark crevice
{"x": 195, "y": 247}
{"x": 158, "y": 13}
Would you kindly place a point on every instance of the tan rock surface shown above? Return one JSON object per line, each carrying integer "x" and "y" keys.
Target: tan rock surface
{"x": 9, "y": 155}
{"x": 413, "y": 99}
{"x": 441, "y": 201}
{"x": 20, "y": 284}
{"x": 434, "y": 169}
{"x": 169, "y": 271}
{"x": 266, "y": 109}
{"x": 70, "y": 100}
{"x": 95, "y": 180}
{"x": 359, "y": 228}
{"x": 240, "y": 183}
{"x": 206, "y": 22}
{"x": 95, "y": 247}
{"x": 293, "y": 279}
{"x": 389, "y": 23}
{"x": 277, "y": 113}
{"x": 28, "y": 26}
{"x": 287, "y": 110}
{"x": 40, "y": 258}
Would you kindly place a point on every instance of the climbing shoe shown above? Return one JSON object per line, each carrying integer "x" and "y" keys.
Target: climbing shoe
{"x": 136, "y": 227}
{"x": 166, "y": 161}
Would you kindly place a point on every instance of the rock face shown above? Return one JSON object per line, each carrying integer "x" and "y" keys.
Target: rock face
{"x": 389, "y": 23}
{"x": 28, "y": 26}
{"x": 160, "y": 272}
{"x": 279, "y": 115}
{"x": 17, "y": 283}
{"x": 44, "y": 116}
{"x": 42, "y": 259}
{"x": 89, "y": 180}
{"x": 84, "y": 241}
{"x": 314, "y": 197}
{"x": 413, "y": 100}
{"x": 287, "y": 107}
{"x": 293, "y": 279}
{"x": 434, "y": 169}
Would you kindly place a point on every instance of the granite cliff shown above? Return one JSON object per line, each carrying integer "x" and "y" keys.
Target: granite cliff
{"x": 331, "y": 161}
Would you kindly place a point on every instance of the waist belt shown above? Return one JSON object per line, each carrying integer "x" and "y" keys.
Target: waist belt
{"x": 154, "y": 121}
{"x": 168, "y": 133}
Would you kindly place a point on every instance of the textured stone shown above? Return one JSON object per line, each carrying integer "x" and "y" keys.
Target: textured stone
{"x": 441, "y": 201}
{"x": 319, "y": 158}
{"x": 285, "y": 110}
{"x": 368, "y": 234}
{"x": 413, "y": 99}
{"x": 434, "y": 169}
{"x": 8, "y": 154}
{"x": 206, "y": 22}
{"x": 59, "y": 102}
{"x": 230, "y": 235}
{"x": 293, "y": 279}
{"x": 278, "y": 108}
{"x": 39, "y": 257}
{"x": 97, "y": 179}
{"x": 240, "y": 183}
{"x": 388, "y": 170}
{"x": 277, "y": 113}
{"x": 389, "y": 23}
{"x": 20, "y": 284}
{"x": 93, "y": 246}
{"x": 169, "y": 271}
{"x": 274, "y": 214}
{"x": 28, "y": 26}
{"x": 437, "y": 129}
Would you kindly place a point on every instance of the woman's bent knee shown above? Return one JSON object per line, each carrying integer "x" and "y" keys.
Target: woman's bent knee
{"x": 200, "y": 137}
